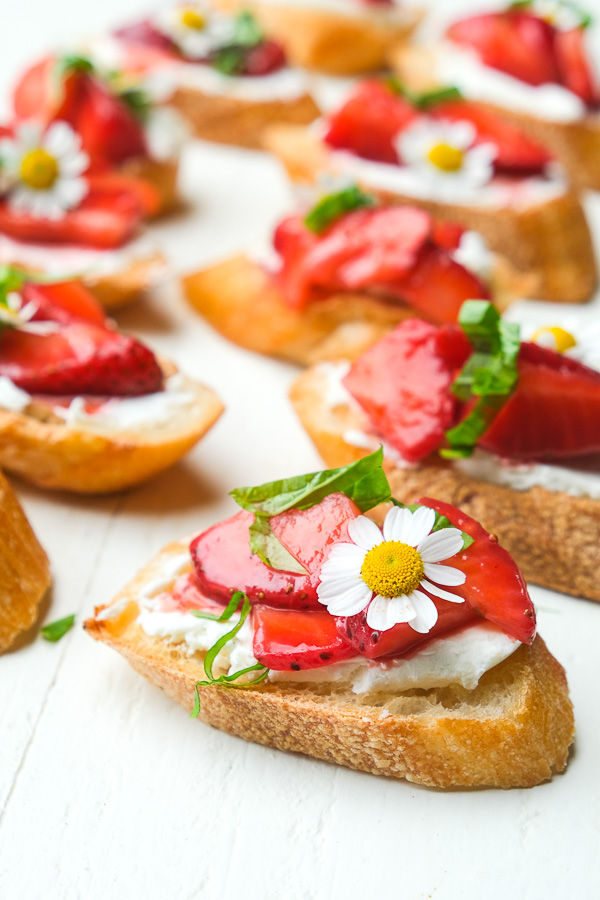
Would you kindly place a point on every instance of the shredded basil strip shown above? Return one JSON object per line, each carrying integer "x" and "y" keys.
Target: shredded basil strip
{"x": 230, "y": 58}
{"x": 490, "y": 374}
{"x": 57, "y": 630}
{"x": 334, "y": 206}
{"x": 363, "y": 481}
{"x": 427, "y": 99}
{"x": 585, "y": 19}
{"x": 137, "y": 101}
{"x": 440, "y": 521}
{"x": 209, "y": 660}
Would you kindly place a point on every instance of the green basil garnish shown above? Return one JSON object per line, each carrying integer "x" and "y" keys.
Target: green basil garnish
{"x": 363, "y": 481}
{"x": 490, "y": 374}
{"x": 333, "y": 206}
{"x": 427, "y": 99}
{"x": 585, "y": 19}
{"x": 230, "y": 59}
{"x": 57, "y": 630}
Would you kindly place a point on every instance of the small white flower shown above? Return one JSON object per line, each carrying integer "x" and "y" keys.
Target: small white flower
{"x": 381, "y": 572}
{"x": 445, "y": 154}
{"x": 562, "y": 15}
{"x": 196, "y": 29}
{"x": 43, "y": 170}
{"x": 13, "y": 314}
{"x": 575, "y": 339}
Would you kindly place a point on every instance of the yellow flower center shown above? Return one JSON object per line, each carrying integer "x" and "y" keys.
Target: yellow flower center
{"x": 446, "y": 158}
{"x": 39, "y": 170}
{"x": 564, "y": 339}
{"x": 191, "y": 18}
{"x": 392, "y": 569}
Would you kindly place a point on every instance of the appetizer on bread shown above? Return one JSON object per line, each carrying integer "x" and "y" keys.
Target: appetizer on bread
{"x": 24, "y": 570}
{"x": 461, "y": 163}
{"x": 530, "y": 63}
{"x": 345, "y": 274}
{"x": 338, "y": 37}
{"x": 506, "y": 429}
{"x": 408, "y": 650}
{"x": 82, "y": 407}
{"x": 221, "y": 71}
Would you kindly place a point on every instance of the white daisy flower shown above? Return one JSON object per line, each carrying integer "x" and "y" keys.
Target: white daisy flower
{"x": 13, "y": 314}
{"x": 382, "y": 572}
{"x": 575, "y": 339}
{"x": 196, "y": 29}
{"x": 563, "y": 16}
{"x": 443, "y": 152}
{"x": 43, "y": 170}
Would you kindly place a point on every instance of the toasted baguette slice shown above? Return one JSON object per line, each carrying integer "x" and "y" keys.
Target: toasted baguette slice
{"x": 334, "y": 42}
{"x": 513, "y": 730}
{"x": 162, "y": 174}
{"x": 553, "y": 536}
{"x": 242, "y": 301}
{"x": 90, "y": 459}
{"x": 232, "y": 120}
{"x": 550, "y": 239}
{"x": 125, "y": 285}
{"x": 575, "y": 144}
{"x": 24, "y": 570}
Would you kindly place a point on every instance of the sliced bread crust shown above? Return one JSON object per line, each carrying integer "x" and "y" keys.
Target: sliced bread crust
{"x": 554, "y": 537}
{"x": 51, "y": 454}
{"x": 550, "y": 240}
{"x": 24, "y": 570}
{"x": 242, "y": 301}
{"x": 513, "y": 730}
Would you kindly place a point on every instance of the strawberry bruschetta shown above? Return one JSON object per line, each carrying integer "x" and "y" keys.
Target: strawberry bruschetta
{"x": 533, "y": 63}
{"x": 338, "y": 37}
{"x": 24, "y": 570}
{"x": 222, "y": 71}
{"x": 460, "y": 163}
{"x": 83, "y": 407}
{"x": 343, "y": 274}
{"x": 506, "y": 428}
{"x": 408, "y": 649}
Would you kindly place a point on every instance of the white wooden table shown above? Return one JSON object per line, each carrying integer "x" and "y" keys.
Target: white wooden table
{"x": 108, "y": 790}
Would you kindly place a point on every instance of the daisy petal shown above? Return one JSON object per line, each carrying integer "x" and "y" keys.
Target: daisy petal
{"x": 422, "y": 521}
{"x": 444, "y": 574}
{"x": 440, "y": 545}
{"x": 364, "y": 533}
{"x": 351, "y": 602}
{"x": 438, "y": 592}
{"x": 427, "y": 614}
{"x": 396, "y": 524}
{"x": 335, "y": 587}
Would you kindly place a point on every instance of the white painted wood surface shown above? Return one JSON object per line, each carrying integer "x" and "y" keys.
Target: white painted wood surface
{"x": 108, "y": 790}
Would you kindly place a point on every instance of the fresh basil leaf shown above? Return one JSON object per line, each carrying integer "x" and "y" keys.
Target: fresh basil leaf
{"x": 229, "y": 60}
{"x": 247, "y": 31}
{"x": 57, "y": 630}
{"x": 585, "y": 19}
{"x": 138, "y": 102}
{"x": 430, "y": 99}
{"x": 73, "y": 62}
{"x": 333, "y": 206}
{"x": 439, "y": 523}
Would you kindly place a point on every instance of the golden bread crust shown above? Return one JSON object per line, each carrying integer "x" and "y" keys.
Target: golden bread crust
{"x": 549, "y": 240}
{"x": 72, "y": 458}
{"x": 24, "y": 570}
{"x": 555, "y": 538}
{"x": 242, "y": 301}
{"x": 113, "y": 290}
{"x": 513, "y": 730}
{"x": 160, "y": 173}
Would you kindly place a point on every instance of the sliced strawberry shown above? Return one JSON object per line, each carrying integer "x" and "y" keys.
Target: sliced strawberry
{"x": 574, "y": 65}
{"x": 287, "y": 639}
{"x": 438, "y": 286}
{"x": 400, "y": 640}
{"x": 108, "y": 129}
{"x": 518, "y": 43}
{"x": 554, "y": 412}
{"x": 369, "y": 121}
{"x": 65, "y": 302}
{"x": 32, "y": 96}
{"x": 403, "y": 384}
{"x": 308, "y": 534}
{"x": 186, "y": 594}
{"x": 80, "y": 358}
{"x": 494, "y": 586}
{"x": 146, "y": 34}
{"x": 447, "y": 235}
{"x": 292, "y": 240}
{"x": 125, "y": 189}
{"x": 223, "y": 564}
{"x": 516, "y": 153}
{"x": 265, "y": 58}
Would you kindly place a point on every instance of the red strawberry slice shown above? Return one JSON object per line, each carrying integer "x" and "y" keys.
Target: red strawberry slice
{"x": 146, "y": 34}
{"x": 518, "y": 43}
{"x": 109, "y": 130}
{"x": 516, "y": 153}
{"x": 66, "y": 302}
{"x": 308, "y": 534}
{"x": 574, "y": 65}
{"x": 80, "y": 358}
{"x": 554, "y": 412}
{"x": 223, "y": 564}
{"x": 438, "y": 286}
{"x": 400, "y": 640}
{"x": 369, "y": 121}
{"x": 186, "y": 594}
{"x": 41, "y": 95}
{"x": 494, "y": 586}
{"x": 447, "y": 235}
{"x": 288, "y": 639}
{"x": 403, "y": 384}
{"x": 292, "y": 240}
{"x": 265, "y": 58}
